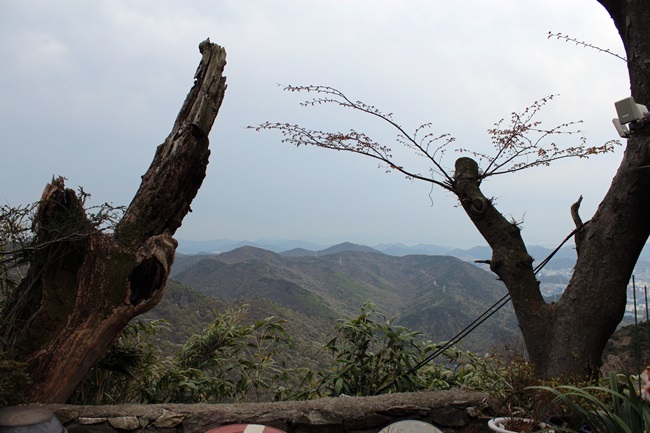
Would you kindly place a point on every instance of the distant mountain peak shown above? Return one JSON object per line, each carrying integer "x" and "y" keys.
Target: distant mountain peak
{"x": 247, "y": 253}
{"x": 347, "y": 246}
{"x": 298, "y": 252}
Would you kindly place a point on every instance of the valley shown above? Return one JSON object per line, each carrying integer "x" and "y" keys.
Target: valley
{"x": 436, "y": 295}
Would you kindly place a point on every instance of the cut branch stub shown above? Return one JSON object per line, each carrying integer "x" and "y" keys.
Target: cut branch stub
{"x": 466, "y": 168}
{"x": 575, "y": 215}
{"x": 466, "y": 186}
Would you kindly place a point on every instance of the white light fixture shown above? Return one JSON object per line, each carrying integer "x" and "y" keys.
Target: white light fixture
{"x": 628, "y": 111}
{"x": 622, "y": 130}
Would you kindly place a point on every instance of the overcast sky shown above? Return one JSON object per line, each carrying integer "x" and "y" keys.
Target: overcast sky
{"x": 90, "y": 88}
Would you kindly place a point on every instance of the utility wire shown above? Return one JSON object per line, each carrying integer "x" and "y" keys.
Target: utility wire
{"x": 479, "y": 320}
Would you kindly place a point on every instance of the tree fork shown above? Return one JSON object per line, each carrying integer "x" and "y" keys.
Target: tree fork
{"x": 86, "y": 285}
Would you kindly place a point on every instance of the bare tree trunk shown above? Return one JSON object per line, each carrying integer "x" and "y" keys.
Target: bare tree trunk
{"x": 510, "y": 259}
{"x": 83, "y": 285}
{"x": 568, "y": 337}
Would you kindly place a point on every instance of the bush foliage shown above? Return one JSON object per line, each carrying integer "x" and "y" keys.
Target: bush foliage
{"x": 231, "y": 361}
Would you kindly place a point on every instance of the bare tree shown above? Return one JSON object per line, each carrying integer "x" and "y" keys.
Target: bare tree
{"x": 566, "y": 337}
{"x": 85, "y": 284}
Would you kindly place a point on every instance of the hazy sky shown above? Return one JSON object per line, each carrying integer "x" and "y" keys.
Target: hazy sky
{"x": 90, "y": 88}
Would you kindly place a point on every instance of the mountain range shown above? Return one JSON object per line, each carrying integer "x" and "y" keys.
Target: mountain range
{"x": 434, "y": 294}
{"x": 313, "y": 287}
{"x": 395, "y": 249}
{"x": 297, "y": 248}
{"x": 554, "y": 276}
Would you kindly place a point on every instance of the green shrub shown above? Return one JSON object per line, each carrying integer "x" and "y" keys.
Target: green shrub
{"x": 607, "y": 409}
{"x": 373, "y": 355}
{"x": 234, "y": 361}
{"x": 228, "y": 361}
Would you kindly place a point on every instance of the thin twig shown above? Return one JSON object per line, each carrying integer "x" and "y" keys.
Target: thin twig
{"x": 568, "y": 38}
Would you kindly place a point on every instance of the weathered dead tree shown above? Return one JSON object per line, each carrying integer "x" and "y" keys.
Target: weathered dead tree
{"x": 84, "y": 285}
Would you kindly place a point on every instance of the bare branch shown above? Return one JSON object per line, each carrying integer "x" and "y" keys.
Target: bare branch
{"x": 568, "y": 38}
{"x": 517, "y": 146}
{"x": 523, "y": 143}
{"x": 422, "y": 148}
{"x": 429, "y": 146}
{"x": 351, "y": 141}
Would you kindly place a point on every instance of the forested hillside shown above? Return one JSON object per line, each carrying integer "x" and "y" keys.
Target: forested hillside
{"x": 437, "y": 295}
{"x": 267, "y": 326}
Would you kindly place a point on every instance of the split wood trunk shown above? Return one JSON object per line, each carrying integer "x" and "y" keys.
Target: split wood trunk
{"x": 84, "y": 285}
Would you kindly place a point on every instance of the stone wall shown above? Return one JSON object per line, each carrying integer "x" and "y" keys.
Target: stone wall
{"x": 450, "y": 411}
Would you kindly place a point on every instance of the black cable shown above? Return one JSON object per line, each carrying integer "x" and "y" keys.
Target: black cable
{"x": 462, "y": 334}
{"x": 479, "y": 320}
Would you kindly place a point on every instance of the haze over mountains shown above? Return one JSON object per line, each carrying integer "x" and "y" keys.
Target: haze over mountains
{"x": 394, "y": 249}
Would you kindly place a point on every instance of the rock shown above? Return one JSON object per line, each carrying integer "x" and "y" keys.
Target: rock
{"x": 405, "y": 411}
{"x": 452, "y": 409}
{"x": 373, "y": 420}
{"x": 125, "y": 422}
{"x": 66, "y": 415}
{"x": 96, "y": 428}
{"x": 317, "y": 417}
{"x": 90, "y": 421}
{"x": 168, "y": 419}
{"x": 450, "y": 417}
{"x": 474, "y": 411}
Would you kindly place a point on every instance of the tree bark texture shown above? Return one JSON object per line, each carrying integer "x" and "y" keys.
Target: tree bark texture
{"x": 83, "y": 285}
{"x": 567, "y": 338}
